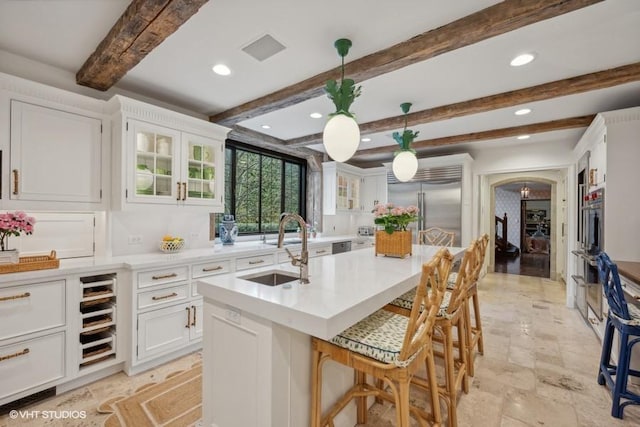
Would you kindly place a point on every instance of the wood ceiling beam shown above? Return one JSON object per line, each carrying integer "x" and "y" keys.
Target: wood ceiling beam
{"x": 257, "y": 139}
{"x": 501, "y": 18}
{"x": 141, "y": 28}
{"x": 571, "y": 86}
{"x": 554, "y": 125}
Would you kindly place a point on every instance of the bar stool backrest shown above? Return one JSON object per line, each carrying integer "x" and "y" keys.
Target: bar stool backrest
{"x": 420, "y": 325}
{"x": 436, "y": 236}
{"x": 610, "y": 279}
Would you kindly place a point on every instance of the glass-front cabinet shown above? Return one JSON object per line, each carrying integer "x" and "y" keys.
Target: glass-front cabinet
{"x": 173, "y": 167}
{"x": 156, "y": 163}
{"x": 203, "y": 176}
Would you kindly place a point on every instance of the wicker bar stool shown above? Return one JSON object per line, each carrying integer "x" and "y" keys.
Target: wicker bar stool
{"x": 625, "y": 318}
{"x": 391, "y": 348}
{"x": 436, "y": 236}
{"x": 473, "y": 329}
{"x": 450, "y": 315}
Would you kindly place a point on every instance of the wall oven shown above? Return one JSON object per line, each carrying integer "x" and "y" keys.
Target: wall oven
{"x": 593, "y": 244}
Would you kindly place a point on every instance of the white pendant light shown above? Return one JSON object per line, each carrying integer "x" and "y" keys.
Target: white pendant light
{"x": 405, "y": 162}
{"x": 405, "y": 165}
{"x": 341, "y": 137}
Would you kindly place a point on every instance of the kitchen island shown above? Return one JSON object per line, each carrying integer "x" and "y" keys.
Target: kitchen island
{"x": 257, "y": 352}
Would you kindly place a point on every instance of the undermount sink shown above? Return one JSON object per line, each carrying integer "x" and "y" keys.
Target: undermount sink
{"x": 286, "y": 242}
{"x": 271, "y": 277}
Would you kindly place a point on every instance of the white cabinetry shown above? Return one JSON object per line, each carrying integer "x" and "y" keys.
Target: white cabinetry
{"x": 374, "y": 189}
{"x": 56, "y": 148}
{"x": 32, "y": 338}
{"x": 167, "y": 158}
{"x": 165, "y": 315}
{"x": 612, "y": 140}
{"x": 351, "y": 189}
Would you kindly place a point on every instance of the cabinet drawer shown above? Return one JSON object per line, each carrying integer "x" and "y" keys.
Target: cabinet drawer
{"x": 31, "y": 308}
{"x": 161, "y": 297}
{"x": 162, "y": 276}
{"x": 31, "y": 363}
{"x": 320, "y": 251}
{"x": 254, "y": 261}
{"x": 211, "y": 268}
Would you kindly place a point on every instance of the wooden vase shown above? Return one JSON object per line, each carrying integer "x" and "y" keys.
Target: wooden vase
{"x": 396, "y": 244}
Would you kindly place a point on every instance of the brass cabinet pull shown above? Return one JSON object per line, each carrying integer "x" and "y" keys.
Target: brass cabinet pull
{"x": 14, "y": 355}
{"x": 16, "y": 181}
{"x": 12, "y": 297}
{"x": 260, "y": 261}
{"x": 216, "y": 268}
{"x": 593, "y": 321}
{"x": 184, "y": 191}
{"x": 164, "y": 276}
{"x": 194, "y": 316}
{"x": 179, "y": 196}
{"x": 188, "y": 325}
{"x": 171, "y": 295}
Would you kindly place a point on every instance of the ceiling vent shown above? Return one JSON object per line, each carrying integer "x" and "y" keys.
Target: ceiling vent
{"x": 263, "y": 48}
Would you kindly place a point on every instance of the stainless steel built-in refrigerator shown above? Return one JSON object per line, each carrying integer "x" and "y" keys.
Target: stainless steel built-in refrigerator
{"x": 438, "y": 198}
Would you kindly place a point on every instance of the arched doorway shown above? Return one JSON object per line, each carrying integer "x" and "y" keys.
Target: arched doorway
{"x": 523, "y": 228}
{"x": 556, "y": 179}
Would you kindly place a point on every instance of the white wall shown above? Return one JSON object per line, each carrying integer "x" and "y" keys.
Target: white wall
{"x": 548, "y": 161}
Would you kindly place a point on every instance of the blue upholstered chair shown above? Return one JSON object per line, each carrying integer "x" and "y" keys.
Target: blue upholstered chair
{"x": 626, "y": 320}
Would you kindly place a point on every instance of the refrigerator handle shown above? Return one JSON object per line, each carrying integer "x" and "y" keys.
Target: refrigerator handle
{"x": 421, "y": 214}
{"x": 423, "y": 209}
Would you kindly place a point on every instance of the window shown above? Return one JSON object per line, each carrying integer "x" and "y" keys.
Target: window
{"x": 260, "y": 185}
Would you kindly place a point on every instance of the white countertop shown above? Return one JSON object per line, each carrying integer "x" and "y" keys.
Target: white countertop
{"x": 157, "y": 259}
{"x": 344, "y": 289}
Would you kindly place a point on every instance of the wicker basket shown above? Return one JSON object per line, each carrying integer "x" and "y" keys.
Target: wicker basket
{"x": 396, "y": 244}
{"x": 29, "y": 263}
{"x": 171, "y": 246}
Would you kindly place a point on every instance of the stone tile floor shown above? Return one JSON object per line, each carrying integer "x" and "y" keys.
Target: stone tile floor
{"x": 539, "y": 368}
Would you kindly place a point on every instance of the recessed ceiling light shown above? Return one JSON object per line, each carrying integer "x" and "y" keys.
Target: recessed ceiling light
{"x": 523, "y": 59}
{"x": 524, "y": 136}
{"x": 366, "y": 139}
{"x": 265, "y": 127}
{"x": 523, "y": 111}
{"x": 221, "y": 70}
{"x": 315, "y": 115}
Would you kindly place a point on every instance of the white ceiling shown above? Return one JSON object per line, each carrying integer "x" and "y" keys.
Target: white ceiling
{"x": 63, "y": 33}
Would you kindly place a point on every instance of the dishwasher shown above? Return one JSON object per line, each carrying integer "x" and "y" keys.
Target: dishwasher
{"x": 339, "y": 247}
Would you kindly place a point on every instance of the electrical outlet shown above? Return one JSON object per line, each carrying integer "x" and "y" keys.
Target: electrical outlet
{"x": 194, "y": 235}
{"x": 233, "y": 315}
{"x": 135, "y": 239}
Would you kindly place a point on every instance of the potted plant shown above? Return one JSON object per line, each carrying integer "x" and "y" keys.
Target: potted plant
{"x": 394, "y": 239}
{"x": 13, "y": 224}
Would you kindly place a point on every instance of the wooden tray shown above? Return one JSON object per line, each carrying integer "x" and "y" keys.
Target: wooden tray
{"x": 28, "y": 263}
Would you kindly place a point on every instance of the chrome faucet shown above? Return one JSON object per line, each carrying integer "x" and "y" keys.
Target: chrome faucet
{"x": 303, "y": 260}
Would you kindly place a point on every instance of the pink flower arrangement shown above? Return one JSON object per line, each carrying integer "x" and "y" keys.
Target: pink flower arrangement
{"x": 14, "y": 224}
{"x": 394, "y": 217}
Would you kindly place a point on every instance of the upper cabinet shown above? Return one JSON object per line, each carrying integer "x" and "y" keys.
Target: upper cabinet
{"x": 168, "y": 158}
{"x": 351, "y": 189}
{"x": 612, "y": 139}
{"x": 52, "y": 151}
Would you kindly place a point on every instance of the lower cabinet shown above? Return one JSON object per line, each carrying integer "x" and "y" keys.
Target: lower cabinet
{"x": 161, "y": 331}
{"x": 31, "y": 363}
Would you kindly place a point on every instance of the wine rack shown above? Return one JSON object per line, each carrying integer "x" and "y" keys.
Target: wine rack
{"x": 97, "y": 341}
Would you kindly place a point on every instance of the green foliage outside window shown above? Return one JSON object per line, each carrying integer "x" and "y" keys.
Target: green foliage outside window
{"x": 259, "y": 186}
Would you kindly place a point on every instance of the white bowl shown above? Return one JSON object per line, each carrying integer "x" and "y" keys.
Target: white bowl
{"x": 144, "y": 179}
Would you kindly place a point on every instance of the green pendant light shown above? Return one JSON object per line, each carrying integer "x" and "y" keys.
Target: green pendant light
{"x": 405, "y": 162}
{"x": 341, "y": 135}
